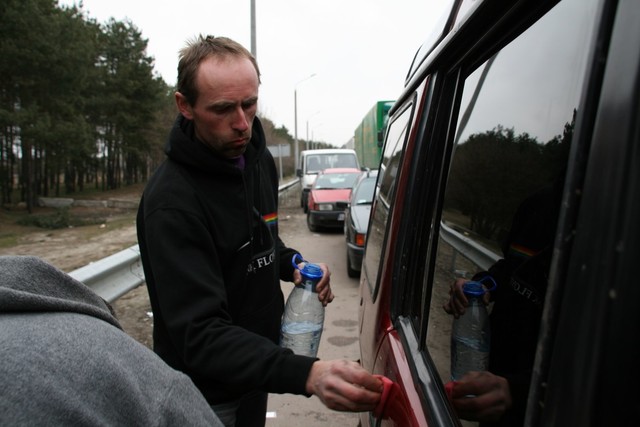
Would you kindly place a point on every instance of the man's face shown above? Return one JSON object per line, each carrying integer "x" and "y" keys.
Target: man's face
{"x": 226, "y": 105}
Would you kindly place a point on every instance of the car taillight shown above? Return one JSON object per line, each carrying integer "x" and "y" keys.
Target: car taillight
{"x": 360, "y": 239}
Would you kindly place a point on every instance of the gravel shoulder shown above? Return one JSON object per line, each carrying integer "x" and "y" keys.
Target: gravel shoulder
{"x": 71, "y": 248}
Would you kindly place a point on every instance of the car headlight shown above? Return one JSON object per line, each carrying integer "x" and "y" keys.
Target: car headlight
{"x": 325, "y": 206}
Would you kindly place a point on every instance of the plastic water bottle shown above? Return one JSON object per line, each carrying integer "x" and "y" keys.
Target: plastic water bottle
{"x": 303, "y": 317}
{"x": 470, "y": 335}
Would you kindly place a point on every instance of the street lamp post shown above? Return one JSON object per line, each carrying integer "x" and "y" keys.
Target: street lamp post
{"x": 310, "y": 117}
{"x": 295, "y": 119}
{"x": 313, "y": 137}
{"x": 254, "y": 47}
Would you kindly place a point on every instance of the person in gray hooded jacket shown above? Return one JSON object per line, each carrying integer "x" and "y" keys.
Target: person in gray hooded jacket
{"x": 64, "y": 359}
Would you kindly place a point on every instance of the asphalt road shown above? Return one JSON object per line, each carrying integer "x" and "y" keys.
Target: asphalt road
{"x": 340, "y": 335}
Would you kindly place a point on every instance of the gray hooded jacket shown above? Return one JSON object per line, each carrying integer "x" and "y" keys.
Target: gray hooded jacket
{"x": 64, "y": 360}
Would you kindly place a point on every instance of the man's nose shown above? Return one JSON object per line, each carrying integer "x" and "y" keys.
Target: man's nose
{"x": 240, "y": 121}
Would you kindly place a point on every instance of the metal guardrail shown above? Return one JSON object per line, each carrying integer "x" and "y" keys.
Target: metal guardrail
{"x": 113, "y": 276}
{"x": 117, "y": 274}
{"x": 479, "y": 255}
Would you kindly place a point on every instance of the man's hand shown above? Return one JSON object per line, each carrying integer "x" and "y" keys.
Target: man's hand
{"x": 325, "y": 295}
{"x": 344, "y": 386}
{"x": 480, "y": 396}
{"x": 458, "y": 302}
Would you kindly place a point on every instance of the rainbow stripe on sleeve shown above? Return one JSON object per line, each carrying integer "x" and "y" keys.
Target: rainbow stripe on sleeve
{"x": 270, "y": 219}
{"x": 521, "y": 251}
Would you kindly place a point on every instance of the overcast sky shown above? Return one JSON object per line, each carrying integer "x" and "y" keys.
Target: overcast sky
{"x": 359, "y": 50}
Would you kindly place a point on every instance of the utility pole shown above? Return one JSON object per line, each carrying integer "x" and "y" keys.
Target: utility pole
{"x": 295, "y": 119}
{"x": 254, "y": 49}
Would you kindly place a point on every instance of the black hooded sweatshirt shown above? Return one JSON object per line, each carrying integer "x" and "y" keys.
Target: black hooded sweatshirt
{"x": 213, "y": 261}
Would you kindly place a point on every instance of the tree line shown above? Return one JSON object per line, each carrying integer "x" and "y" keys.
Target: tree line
{"x": 494, "y": 171}
{"x": 80, "y": 103}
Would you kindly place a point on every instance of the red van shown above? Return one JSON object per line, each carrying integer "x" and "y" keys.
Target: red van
{"x": 513, "y": 151}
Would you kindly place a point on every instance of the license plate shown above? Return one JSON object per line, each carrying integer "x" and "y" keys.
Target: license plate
{"x": 341, "y": 217}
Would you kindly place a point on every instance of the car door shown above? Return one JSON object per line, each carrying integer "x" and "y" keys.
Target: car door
{"x": 495, "y": 110}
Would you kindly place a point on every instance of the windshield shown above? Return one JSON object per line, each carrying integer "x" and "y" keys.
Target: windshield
{"x": 336, "y": 181}
{"x": 319, "y": 162}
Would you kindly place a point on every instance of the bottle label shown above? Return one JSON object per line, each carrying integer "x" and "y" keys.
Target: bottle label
{"x": 302, "y": 338}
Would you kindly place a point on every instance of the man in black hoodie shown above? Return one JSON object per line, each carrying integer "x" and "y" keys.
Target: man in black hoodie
{"x": 213, "y": 260}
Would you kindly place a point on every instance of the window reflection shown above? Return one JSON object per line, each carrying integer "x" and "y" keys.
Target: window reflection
{"x": 514, "y": 131}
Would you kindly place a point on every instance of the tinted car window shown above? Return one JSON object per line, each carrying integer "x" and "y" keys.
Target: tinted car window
{"x": 512, "y": 141}
{"x": 363, "y": 193}
{"x": 380, "y": 212}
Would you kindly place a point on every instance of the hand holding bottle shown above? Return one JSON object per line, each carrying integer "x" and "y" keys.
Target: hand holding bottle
{"x": 323, "y": 287}
{"x": 303, "y": 317}
{"x": 458, "y": 302}
{"x": 470, "y": 332}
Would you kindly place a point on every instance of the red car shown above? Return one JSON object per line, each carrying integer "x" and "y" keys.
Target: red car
{"x": 513, "y": 153}
{"x": 329, "y": 197}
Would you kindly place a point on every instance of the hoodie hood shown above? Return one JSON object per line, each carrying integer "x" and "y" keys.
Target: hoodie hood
{"x": 28, "y": 284}
{"x": 183, "y": 147}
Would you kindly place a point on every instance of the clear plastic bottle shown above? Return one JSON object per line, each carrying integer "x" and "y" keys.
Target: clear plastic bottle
{"x": 470, "y": 334}
{"x": 303, "y": 317}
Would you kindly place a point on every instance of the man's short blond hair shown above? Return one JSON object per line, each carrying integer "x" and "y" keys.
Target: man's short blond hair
{"x": 199, "y": 49}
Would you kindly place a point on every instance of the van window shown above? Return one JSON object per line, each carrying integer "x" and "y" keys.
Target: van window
{"x": 502, "y": 193}
{"x": 390, "y": 162}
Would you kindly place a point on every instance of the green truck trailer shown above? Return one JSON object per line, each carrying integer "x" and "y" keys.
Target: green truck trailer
{"x": 369, "y": 135}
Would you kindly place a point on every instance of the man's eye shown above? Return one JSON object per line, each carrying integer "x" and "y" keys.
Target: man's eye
{"x": 223, "y": 110}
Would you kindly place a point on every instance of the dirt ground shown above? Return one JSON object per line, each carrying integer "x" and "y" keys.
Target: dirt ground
{"x": 71, "y": 248}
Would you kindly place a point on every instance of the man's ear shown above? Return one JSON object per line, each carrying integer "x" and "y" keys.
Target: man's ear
{"x": 183, "y": 106}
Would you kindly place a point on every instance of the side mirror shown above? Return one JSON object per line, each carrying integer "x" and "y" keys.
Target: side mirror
{"x": 299, "y": 173}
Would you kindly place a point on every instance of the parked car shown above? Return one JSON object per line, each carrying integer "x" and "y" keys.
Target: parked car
{"x": 356, "y": 220}
{"x": 512, "y": 109}
{"x": 329, "y": 196}
{"x": 311, "y": 162}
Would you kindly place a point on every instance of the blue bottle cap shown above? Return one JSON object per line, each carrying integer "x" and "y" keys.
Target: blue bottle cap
{"x": 473, "y": 288}
{"x": 312, "y": 271}
{"x": 476, "y": 288}
{"x": 309, "y": 271}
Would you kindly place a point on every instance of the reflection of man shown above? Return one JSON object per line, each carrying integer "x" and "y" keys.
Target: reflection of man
{"x": 501, "y": 393}
{"x": 65, "y": 361}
